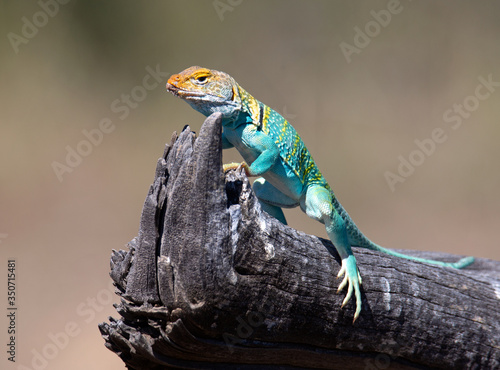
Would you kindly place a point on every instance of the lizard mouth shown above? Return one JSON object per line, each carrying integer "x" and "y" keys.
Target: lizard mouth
{"x": 183, "y": 93}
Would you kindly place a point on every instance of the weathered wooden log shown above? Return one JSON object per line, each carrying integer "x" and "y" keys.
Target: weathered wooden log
{"x": 213, "y": 282}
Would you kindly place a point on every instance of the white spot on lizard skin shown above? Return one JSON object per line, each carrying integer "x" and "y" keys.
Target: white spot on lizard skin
{"x": 386, "y": 296}
{"x": 496, "y": 287}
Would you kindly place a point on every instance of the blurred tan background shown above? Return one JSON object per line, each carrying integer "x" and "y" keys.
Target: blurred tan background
{"x": 76, "y": 68}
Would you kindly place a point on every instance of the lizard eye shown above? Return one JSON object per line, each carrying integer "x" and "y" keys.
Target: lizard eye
{"x": 201, "y": 80}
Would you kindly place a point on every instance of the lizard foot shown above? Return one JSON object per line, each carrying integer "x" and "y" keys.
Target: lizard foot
{"x": 237, "y": 167}
{"x": 352, "y": 279}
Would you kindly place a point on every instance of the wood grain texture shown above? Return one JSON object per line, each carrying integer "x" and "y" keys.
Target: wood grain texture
{"x": 213, "y": 282}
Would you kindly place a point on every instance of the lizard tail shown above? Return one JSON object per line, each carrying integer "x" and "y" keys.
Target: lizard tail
{"x": 358, "y": 239}
{"x": 464, "y": 262}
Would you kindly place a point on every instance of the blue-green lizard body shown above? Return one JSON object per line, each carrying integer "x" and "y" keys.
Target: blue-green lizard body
{"x": 273, "y": 150}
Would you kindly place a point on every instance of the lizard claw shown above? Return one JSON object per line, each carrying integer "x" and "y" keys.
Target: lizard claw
{"x": 230, "y": 166}
{"x": 352, "y": 279}
{"x": 237, "y": 167}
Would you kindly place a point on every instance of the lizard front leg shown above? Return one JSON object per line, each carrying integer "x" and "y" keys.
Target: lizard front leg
{"x": 261, "y": 147}
{"x": 255, "y": 144}
{"x": 226, "y": 144}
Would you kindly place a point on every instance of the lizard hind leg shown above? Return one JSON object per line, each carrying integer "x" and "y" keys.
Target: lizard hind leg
{"x": 272, "y": 200}
{"x": 318, "y": 205}
{"x": 274, "y": 211}
{"x": 336, "y": 230}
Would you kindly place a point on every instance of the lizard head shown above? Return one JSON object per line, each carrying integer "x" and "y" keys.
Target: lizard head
{"x": 207, "y": 91}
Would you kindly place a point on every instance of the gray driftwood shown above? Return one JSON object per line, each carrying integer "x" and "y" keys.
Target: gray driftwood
{"x": 213, "y": 282}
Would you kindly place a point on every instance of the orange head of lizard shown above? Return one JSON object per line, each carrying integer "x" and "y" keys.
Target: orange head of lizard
{"x": 206, "y": 90}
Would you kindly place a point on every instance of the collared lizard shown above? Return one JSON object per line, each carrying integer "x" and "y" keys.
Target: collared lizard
{"x": 289, "y": 178}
